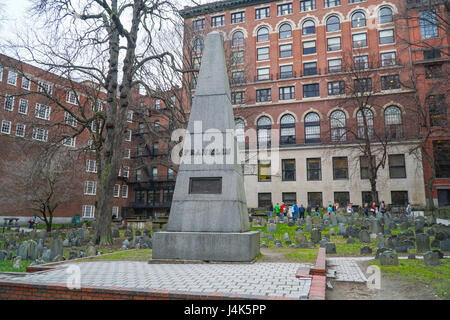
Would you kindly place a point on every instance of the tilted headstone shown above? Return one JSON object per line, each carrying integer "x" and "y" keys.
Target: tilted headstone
{"x": 431, "y": 258}
{"x": 17, "y": 264}
{"x": 422, "y": 242}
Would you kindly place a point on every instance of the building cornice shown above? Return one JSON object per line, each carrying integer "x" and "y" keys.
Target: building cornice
{"x": 218, "y": 6}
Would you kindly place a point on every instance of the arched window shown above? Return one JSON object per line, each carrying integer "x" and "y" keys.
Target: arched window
{"x": 333, "y": 24}
{"x": 198, "y": 45}
{"x": 385, "y": 15}
{"x": 365, "y": 123}
{"x": 358, "y": 20}
{"x": 238, "y": 39}
{"x": 264, "y": 126}
{"x": 262, "y": 34}
{"x": 285, "y": 31}
{"x": 312, "y": 128}
{"x": 239, "y": 126}
{"x": 309, "y": 27}
{"x": 287, "y": 128}
{"x": 337, "y": 126}
{"x": 393, "y": 122}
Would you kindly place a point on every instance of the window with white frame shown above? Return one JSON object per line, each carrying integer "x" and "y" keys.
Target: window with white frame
{"x": 115, "y": 211}
{"x": 125, "y": 191}
{"x": 71, "y": 97}
{"x": 70, "y": 120}
{"x": 130, "y": 116}
{"x": 128, "y": 135}
{"x": 42, "y": 111}
{"x": 6, "y": 127}
{"x": 23, "y": 106}
{"x": 91, "y": 166}
{"x": 387, "y": 36}
{"x": 97, "y": 106}
{"x": 46, "y": 87}
{"x": 90, "y": 188}
{"x": 1, "y": 73}
{"x": 127, "y": 153}
{"x": 116, "y": 190}
{"x": 25, "y": 83}
{"x": 40, "y": 134}
{"x": 388, "y": 59}
{"x": 9, "y": 102}
{"x": 12, "y": 78}
{"x": 69, "y": 141}
{"x": 88, "y": 211}
{"x": 157, "y": 104}
{"x": 126, "y": 172}
{"x": 20, "y": 130}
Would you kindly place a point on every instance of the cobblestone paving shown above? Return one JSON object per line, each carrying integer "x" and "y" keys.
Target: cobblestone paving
{"x": 346, "y": 269}
{"x": 258, "y": 279}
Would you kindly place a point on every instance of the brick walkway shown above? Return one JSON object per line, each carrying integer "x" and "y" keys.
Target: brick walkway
{"x": 277, "y": 280}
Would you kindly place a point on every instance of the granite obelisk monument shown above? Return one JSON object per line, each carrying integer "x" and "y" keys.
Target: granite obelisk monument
{"x": 209, "y": 218}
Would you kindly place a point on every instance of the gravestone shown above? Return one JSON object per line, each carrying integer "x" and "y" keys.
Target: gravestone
{"x": 411, "y": 256}
{"x": 3, "y": 255}
{"x": 126, "y": 244}
{"x": 91, "y": 251}
{"x": 308, "y": 227}
{"x": 22, "y": 251}
{"x": 277, "y": 243}
{"x": 116, "y": 233}
{"x": 209, "y": 218}
{"x": 422, "y": 242}
{"x": 332, "y": 232}
{"x": 334, "y": 221}
{"x": 419, "y": 226}
{"x": 316, "y": 236}
{"x": 286, "y": 236}
{"x": 364, "y": 236}
{"x": 365, "y": 250}
{"x": 322, "y": 243}
{"x": 351, "y": 240}
{"x": 66, "y": 243}
{"x": 342, "y": 229}
{"x": 271, "y": 227}
{"x": 330, "y": 248}
{"x": 46, "y": 255}
{"x": 380, "y": 241}
{"x": 435, "y": 243}
{"x": 431, "y": 258}
{"x": 263, "y": 245}
{"x": 300, "y": 238}
{"x": 388, "y": 258}
{"x": 32, "y": 252}
{"x": 17, "y": 264}
{"x": 56, "y": 248}
{"x": 270, "y": 236}
{"x": 444, "y": 245}
{"x": 72, "y": 255}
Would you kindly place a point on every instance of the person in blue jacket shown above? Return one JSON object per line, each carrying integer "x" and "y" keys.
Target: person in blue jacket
{"x": 302, "y": 211}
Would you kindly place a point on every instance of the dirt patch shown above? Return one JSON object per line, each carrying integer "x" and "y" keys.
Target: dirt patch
{"x": 269, "y": 255}
{"x": 392, "y": 288}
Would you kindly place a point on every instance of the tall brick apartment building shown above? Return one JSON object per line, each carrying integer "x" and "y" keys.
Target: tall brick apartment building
{"x": 291, "y": 64}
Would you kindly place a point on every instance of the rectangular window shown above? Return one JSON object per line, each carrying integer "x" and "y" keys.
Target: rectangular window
{"x": 332, "y": 3}
{"x": 130, "y": 116}
{"x": 363, "y": 85}
{"x": 40, "y": 134}
{"x": 70, "y": 120}
{"x": 42, "y": 111}
{"x": 237, "y": 77}
{"x": 125, "y": 191}
{"x": 309, "y": 47}
{"x": 364, "y": 166}
{"x": 387, "y": 36}
{"x": 199, "y": 24}
{"x": 287, "y": 93}
{"x": 46, "y": 87}
{"x": 91, "y": 166}
{"x": 126, "y": 172}
{"x": 69, "y": 141}
{"x": 90, "y": 188}
{"x": 237, "y": 97}
{"x": 367, "y": 197}
{"x": 1, "y": 73}
{"x": 314, "y": 171}
{"x": 336, "y": 87}
{"x": 289, "y": 198}
{"x": 263, "y": 54}
{"x": 9, "y": 102}
{"x": 238, "y": 17}
{"x": 433, "y": 71}
{"x": 25, "y": 83}
{"x": 12, "y": 78}
{"x": 307, "y": 5}
{"x": 116, "y": 191}
{"x": 157, "y": 104}
{"x": 237, "y": 57}
{"x": 88, "y": 211}
{"x": 311, "y": 90}
{"x": 340, "y": 168}
{"x": 359, "y": 40}
{"x": 263, "y": 74}
{"x": 361, "y": 62}
{"x": 334, "y": 65}
{"x": 263, "y": 95}
{"x": 284, "y": 9}
{"x": 262, "y": 13}
{"x": 428, "y": 24}
{"x": 127, "y": 154}
{"x": 6, "y": 127}
{"x": 309, "y": 68}
{"x": 388, "y": 59}
{"x": 431, "y": 54}
{"x": 23, "y": 106}
{"x": 390, "y": 82}
{"x": 138, "y": 175}
{"x": 71, "y": 97}
{"x": 286, "y": 72}
{"x": 288, "y": 166}
{"x": 399, "y": 198}
{"x": 441, "y": 154}
{"x": 115, "y": 211}
{"x": 397, "y": 169}
{"x": 437, "y": 108}
{"x": 264, "y": 171}
{"x": 218, "y": 21}
{"x": 315, "y": 199}
{"x": 170, "y": 174}
{"x": 20, "y": 130}
{"x": 285, "y": 50}
{"x": 128, "y": 134}
{"x": 342, "y": 198}
{"x": 264, "y": 200}
{"x": 334, "y": 44}
{"x": 167, "y": 196}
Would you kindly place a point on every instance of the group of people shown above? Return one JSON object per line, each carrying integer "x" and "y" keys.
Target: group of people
{"x": 295, "y": 212}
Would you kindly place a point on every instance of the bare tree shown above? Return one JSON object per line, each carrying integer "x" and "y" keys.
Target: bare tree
{"x": 43, "y": 181}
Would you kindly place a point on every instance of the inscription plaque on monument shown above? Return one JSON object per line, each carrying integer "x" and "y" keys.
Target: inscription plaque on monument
{"x": 209, "y": 185}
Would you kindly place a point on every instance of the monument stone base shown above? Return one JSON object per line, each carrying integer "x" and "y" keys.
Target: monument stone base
{"x": 207, "y": 246}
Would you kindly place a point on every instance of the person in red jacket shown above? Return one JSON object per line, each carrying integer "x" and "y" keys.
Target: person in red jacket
{"x": 282, "y": 212}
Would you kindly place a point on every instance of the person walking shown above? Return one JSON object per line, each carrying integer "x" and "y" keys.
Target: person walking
{"x": 330, "y": 209}
{"x": 382, "y": 208}
{"x": 366, "y": 209}
{"x": 31, "y": 222}
{"x": 271, "y": 210}
{"x": 282, "y": 212}
{"x": 350, "y": 209}
{"x": 408, "y": 209}
{"x": 308, "y": 210}
{"x": 302, "y": 211}
{"x": 373, "y": 209}
{"x": 317, "y": 212}
{"x": 295, "y": 212}
{"x": 277, "y": 210}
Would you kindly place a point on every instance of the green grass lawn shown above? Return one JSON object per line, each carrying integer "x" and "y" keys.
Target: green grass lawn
{"x": 135, "y": 255}
{"x": 7, "y": 266}
{"x": 415, "y": 271}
